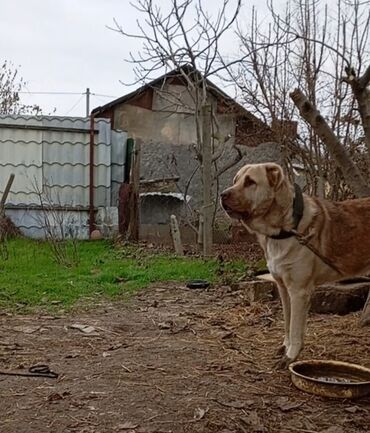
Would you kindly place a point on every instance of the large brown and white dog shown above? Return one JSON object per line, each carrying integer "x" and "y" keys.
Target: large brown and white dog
{"x": 267, "y": 204}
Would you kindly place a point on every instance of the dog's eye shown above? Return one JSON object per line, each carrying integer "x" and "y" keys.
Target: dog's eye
{"x": 248, "y": 181}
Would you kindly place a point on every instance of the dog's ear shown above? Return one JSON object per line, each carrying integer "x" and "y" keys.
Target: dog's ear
{"x": 275, "y": 175}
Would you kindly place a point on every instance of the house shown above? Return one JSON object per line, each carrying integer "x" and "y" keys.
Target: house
{"x": 160, "y": 115}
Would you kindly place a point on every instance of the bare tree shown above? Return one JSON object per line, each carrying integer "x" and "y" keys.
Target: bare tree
{"x": 187, "y": 38}
{"x": 324, "y": 55}
{"x": 59, "y": 227}
{"x": 10, "y": 86}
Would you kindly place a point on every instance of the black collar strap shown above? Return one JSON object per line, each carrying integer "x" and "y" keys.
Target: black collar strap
{"x": 298, "y": 207}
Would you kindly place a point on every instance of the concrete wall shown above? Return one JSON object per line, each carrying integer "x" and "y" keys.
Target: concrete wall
{"x": 168, "y": 122}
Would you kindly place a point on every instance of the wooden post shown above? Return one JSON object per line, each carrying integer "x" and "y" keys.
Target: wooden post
{"x": 176, "y": 236}
{"x": 124, "y": 209}
{"x": 129, "y": 158}
{"x": 133, "y": 230}
{"x": 5, "y": 194}
{"x": 207, "y": 179}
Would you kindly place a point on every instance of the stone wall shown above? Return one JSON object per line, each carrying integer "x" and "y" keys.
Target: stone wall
{"x": 162, "y": 160}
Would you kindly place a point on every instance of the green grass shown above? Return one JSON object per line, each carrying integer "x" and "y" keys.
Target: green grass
{"x": 30, "y": 277}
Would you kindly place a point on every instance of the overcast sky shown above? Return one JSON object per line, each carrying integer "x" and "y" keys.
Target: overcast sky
{"x": 65, "y": 46}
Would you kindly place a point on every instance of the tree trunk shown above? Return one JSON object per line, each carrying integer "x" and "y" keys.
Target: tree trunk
{"x": 351, "y": 173}
{"x": 207, "y": 179}
{"x": 362, "y": 94}
{"x": 133, "y": 229}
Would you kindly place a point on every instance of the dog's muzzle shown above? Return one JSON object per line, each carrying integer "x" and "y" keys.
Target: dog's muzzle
{"x": 228, "y": 206}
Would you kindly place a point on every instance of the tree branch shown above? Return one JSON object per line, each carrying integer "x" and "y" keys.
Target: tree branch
{"x": 350, "y": 171}
{"x": 364, "y": 80}
{"x": 238, "y": 157}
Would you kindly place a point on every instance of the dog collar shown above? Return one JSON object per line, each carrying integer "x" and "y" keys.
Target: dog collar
{"x": 298, "y": 207}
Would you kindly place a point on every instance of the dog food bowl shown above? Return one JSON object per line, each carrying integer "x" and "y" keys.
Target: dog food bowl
{"x": 198, "y": 284}
{"x": 331, "y": 378}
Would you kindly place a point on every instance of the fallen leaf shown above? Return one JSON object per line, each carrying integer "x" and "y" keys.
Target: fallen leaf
{"x": 199, "y": 413}
{"x": 128, "y": 425}
{"x": 165, "y": 325}
{"x": 229, "y": 334}
{"x": 26, "y": 329}
{"x": 72, "y": 355}
{"x": 117, "y": 346}
{"x": 233, "y": 404}
{"x": 253, "y": 421}
{"x": 352, "y": 409}
{"x": 284, "y": 404}
{"x": 120, "y": 280}
{"x": 56, "y": 396}
{"x": 333, "y": 429}
{"x": 86, "y": 329}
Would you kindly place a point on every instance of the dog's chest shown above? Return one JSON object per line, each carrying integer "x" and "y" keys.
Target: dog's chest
{"x": 279, "y": 256}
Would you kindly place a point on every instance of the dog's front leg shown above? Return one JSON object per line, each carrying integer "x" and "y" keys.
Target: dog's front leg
{"x": 299, "y": 304}
{"x": 285, "y": 301}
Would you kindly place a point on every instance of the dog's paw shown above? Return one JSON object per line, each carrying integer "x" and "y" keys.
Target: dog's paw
{"x": 283, "y": 363}
{"x": 281, "y": 350}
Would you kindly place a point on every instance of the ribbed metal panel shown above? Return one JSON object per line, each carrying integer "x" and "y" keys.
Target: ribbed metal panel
{"x": 32, "y": 222}
{"x": 51, "y": 154}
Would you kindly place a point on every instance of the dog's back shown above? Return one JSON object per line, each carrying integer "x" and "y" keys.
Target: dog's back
{"x": 343, "y": 233}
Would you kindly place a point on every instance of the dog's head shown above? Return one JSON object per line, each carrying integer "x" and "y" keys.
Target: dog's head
{"x": 253, "y": 191}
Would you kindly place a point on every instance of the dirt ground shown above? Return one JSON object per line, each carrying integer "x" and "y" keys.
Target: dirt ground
{"x": 172, "y": 359}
